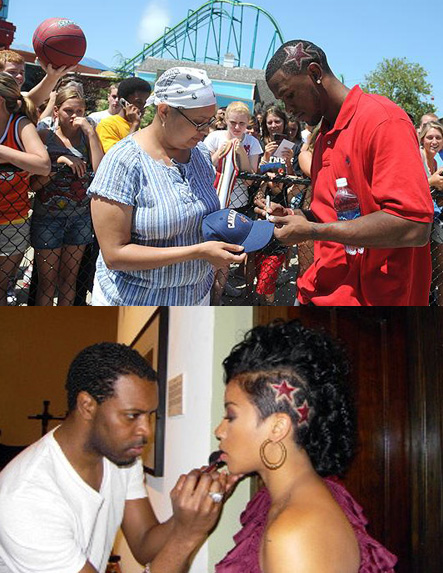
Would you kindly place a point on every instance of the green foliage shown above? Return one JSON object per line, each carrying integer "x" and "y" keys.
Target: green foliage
{"x": 101, "y": 102}
{"x": 404, "y": 83}
{"x": 148, "y": 116}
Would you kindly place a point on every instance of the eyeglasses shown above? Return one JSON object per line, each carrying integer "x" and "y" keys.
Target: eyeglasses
{"x": 198, "y": 126}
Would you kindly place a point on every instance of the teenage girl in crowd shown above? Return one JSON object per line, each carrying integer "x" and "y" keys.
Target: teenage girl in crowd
{"x": 294, "y": 135}
{"x": 248, "y": 149}
{"x": 431, "y": 143}
{"x": 275, "y": 125}
{"x": 61, "y": 223}
{"x": 254, "y": 128}
{"x": 21, "y": 147}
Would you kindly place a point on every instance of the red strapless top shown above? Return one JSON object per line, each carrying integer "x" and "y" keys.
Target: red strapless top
{"x": 243, "y": 558}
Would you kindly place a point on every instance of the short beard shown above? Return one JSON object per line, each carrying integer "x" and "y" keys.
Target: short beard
{"x": 95, "y": 444}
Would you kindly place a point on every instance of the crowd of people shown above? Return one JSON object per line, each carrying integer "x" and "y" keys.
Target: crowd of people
{"x": 136, "y": 197}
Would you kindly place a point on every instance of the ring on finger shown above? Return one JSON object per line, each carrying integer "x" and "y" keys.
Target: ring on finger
{"x": 216, "y": 496}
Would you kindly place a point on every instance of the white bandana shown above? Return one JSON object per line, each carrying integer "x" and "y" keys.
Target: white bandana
{"x": 185, "y": 88}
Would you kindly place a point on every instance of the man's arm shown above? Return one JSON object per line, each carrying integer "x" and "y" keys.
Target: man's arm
{"x": 170, "y": 546}
{"x": 378, "y": 230}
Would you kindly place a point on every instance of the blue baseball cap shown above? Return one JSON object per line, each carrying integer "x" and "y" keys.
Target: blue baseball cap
{"x": 232, "y": 227}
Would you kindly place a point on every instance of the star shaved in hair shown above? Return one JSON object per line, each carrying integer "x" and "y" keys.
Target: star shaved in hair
{"x": 303, "y": 412}
{"x": 296, "y": 54}
{"x": 285, "y": 389}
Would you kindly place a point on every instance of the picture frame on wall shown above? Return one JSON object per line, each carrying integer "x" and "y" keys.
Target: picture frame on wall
{"x": 152, "y": 343}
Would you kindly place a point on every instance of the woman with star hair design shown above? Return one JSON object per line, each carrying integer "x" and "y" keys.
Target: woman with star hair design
{"x": 290, "y": 418}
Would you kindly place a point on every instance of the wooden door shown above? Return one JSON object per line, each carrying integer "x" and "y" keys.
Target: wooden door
{"x": 397, "y": 474}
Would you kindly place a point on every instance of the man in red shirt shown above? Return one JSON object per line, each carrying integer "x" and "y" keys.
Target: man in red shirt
{"x": 372, "y": 143}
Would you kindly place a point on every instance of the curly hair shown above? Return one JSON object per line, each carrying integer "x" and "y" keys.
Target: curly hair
{"x": 96, "y": 368}
{"x": 286, "y": 367}
{"x": 129, "y": 86}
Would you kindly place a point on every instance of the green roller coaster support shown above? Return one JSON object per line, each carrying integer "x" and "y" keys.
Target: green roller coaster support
{"x": 184, "y": 42}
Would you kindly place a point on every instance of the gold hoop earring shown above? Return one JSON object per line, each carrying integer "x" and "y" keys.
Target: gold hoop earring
{"x": 264, "y": 459}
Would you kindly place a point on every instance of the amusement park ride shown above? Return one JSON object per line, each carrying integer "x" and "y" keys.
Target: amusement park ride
{"x": 217, "y": 29}
{"x": 7, "y": 29}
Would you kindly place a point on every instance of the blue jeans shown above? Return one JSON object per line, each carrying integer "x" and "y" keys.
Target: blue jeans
{"x": 53, "y": 232}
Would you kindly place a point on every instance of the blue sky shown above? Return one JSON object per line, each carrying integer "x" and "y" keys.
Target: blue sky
{"x": 355, "y": 35}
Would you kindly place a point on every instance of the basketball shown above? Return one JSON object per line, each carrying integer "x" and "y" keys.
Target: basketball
{"x": 59, "y": 42}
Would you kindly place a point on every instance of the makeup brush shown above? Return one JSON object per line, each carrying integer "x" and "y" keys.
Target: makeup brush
{"x": 214, "y": 462}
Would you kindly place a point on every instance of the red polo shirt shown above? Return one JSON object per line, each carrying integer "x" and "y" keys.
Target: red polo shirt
{"x": 374, "y": 145}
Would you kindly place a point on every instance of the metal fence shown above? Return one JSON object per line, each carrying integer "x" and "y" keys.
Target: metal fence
{"x": 269, "y": 276}
{"x": 49, "y": 256}
{"x": 47, "y": 245}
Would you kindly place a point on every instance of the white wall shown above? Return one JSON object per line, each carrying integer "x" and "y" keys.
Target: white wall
{"x": 230, "y": 325}
{"x": 199, "y": 338}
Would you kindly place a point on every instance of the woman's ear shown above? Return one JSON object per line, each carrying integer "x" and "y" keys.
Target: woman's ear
{"x": 163, "y": 110}
{"x": 280, "y": 426}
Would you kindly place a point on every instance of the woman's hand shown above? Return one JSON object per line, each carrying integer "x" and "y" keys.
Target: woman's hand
{"x": 288, "y": 155}
{"x": 82, "y": 122}
{"x": 84, "y": 125}
{"x": 270, "y": 149}
{"x": 77, "y": 165}
{"x": 221, "y": 254}
{"x": 219, "y": 152}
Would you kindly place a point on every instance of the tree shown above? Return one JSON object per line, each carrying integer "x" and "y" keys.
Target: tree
{"x": 404, "y": 83}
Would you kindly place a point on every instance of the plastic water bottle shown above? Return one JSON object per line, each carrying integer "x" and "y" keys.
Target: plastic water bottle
{"x": 348, "y": 208}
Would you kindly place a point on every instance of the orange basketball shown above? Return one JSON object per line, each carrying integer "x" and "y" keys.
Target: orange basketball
{"x": 60, "y": 42}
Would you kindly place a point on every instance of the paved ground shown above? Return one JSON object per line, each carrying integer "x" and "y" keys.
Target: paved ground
{"x": 284, "y": 295}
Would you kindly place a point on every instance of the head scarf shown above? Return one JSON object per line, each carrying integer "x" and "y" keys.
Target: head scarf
{"x": 184, "y": 88}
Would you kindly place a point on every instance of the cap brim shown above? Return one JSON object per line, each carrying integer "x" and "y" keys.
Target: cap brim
{"x": 259, "y": 236}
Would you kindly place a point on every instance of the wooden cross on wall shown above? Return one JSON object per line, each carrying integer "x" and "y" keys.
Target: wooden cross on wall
{"x": 45, "y": 417}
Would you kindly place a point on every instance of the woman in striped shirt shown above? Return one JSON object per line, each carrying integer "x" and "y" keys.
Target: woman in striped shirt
{"x": 149, "y": 197}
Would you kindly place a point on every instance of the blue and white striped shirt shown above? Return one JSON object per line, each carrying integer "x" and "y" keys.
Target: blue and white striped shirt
{"x": 169, "y": 203}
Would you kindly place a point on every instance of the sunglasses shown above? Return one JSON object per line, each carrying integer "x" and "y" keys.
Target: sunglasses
{"x": 198, "y": 126}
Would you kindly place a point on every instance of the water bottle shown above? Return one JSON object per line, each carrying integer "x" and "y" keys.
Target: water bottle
{"x": 348, "y": 208}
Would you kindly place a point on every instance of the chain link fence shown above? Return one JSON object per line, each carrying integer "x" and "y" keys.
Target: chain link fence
{"x": 269, "y": 276}
{"x": 436, "y": 296}
{"x": 48, "y": 249}
{"x": 47, "y": 245}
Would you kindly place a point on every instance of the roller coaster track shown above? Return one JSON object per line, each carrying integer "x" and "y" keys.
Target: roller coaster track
{"x": 203, "y": 36}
